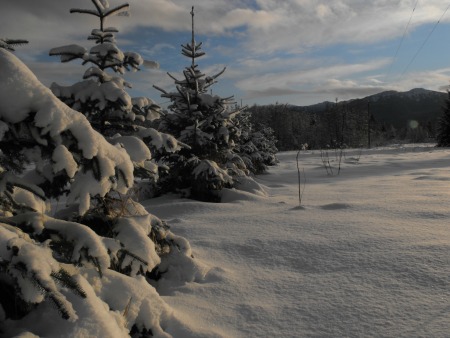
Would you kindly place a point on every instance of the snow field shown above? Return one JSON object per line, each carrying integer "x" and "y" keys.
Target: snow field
{"x": 365, "y": 256}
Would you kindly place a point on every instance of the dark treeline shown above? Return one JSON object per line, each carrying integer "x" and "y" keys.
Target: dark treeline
{"x": 336, "y": 125}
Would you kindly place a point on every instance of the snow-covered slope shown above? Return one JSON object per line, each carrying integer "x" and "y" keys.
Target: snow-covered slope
{"x": 367, "y": 254}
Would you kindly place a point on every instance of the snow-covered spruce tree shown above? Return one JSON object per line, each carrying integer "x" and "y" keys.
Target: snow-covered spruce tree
{"x": 84, "y": 275}
{"x": 103, "y": 98}
{"x": 264, "y": 139}
{"x": 256, "y": 144}
{"x": 207, "y": 125}
{"x": 443, "y": 134}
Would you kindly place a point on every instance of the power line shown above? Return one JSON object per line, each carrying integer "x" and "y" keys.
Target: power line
{"x": 402, "y": 39}
{"x": 424, "y": 42}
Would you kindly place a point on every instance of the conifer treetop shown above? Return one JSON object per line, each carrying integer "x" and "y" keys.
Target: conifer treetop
{"x": 192, "y": 50}
{"x": 9, "y": 43}
{"x": 195, "y": 82}
{"x": 102, "y": 12}
{"x": 105, "y": 54}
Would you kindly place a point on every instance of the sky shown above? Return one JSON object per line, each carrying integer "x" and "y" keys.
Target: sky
{"x": 298, "y": 52}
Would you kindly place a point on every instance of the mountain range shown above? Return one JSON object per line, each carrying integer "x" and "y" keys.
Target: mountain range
{"x": 392, "y": 107}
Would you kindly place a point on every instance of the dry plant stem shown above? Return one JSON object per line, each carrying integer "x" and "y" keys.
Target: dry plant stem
{"x": 340, "y": 160}
{"x": 300, "y": 189}
{"x": 326, "y": 162}
{"x": 325, "y": 157}
{"x": 358, "y": 156}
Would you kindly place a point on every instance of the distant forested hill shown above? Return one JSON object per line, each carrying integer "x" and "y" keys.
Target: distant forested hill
{"x": 394, "y": 116}
{"x": 398, "y": 108}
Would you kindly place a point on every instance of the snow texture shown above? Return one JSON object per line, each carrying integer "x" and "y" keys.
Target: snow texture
{"x": 159, "y": 141}
{"x": 150, "y": 109}
{"x": 138, "y": 151}
{"x": 97, "y": 92}
{"x": 25, "y": 197}
{"x": 365, "y": 255}
{"x": 212, "y": 172}
{"x": 132, "y": 232}
{"x": 63, "y": 160}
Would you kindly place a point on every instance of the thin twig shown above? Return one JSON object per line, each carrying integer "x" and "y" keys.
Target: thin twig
{"x": 300, "y": 189}
{"x": 299, "y": 181}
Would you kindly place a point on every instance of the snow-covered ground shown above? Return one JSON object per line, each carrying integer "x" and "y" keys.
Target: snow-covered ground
{"x": 367, "y": 254}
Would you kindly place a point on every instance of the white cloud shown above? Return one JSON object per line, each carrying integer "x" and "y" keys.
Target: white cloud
{"x": 343, "y": 81}
{"x": 159, "y": 47}
{"x": 276, "y": 41}
{"x": 304, "y": 24}
{"x": 63, "y": 74}
{"x": 292, "y": 78}
{"x": 288, "y": 25}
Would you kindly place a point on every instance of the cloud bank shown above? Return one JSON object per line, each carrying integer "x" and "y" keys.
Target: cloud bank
{"x": 281, "y": 47}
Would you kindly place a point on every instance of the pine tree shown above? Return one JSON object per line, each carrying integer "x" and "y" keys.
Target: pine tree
{"x": 443, "y": 134}
{"x": 47, "y": 150}
{"x": 207, "y": 125}
{"x": 256, "y": 145}
{"x": 265, "y": 141}
{"x": 100, "y": 255}
{"x": 103, "y": 98}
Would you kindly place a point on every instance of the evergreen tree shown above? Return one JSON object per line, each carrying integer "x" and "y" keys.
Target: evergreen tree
{"x": 264, "y": 139}
{"x": 61, "y": 154}
{"x": 48, "y": 150}
{"x": 443, "y": 133}
{"x": 256, "y": 144}
{"x": 207, "y": 125}
{"x": 103, "y": 98}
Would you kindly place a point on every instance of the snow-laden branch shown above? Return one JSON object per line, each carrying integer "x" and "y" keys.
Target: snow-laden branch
{"x": 21, "y": 93}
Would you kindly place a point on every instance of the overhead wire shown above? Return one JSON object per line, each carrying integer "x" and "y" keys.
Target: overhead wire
{"x": 424, "y": 42}
{"x": 402, "y": 39}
